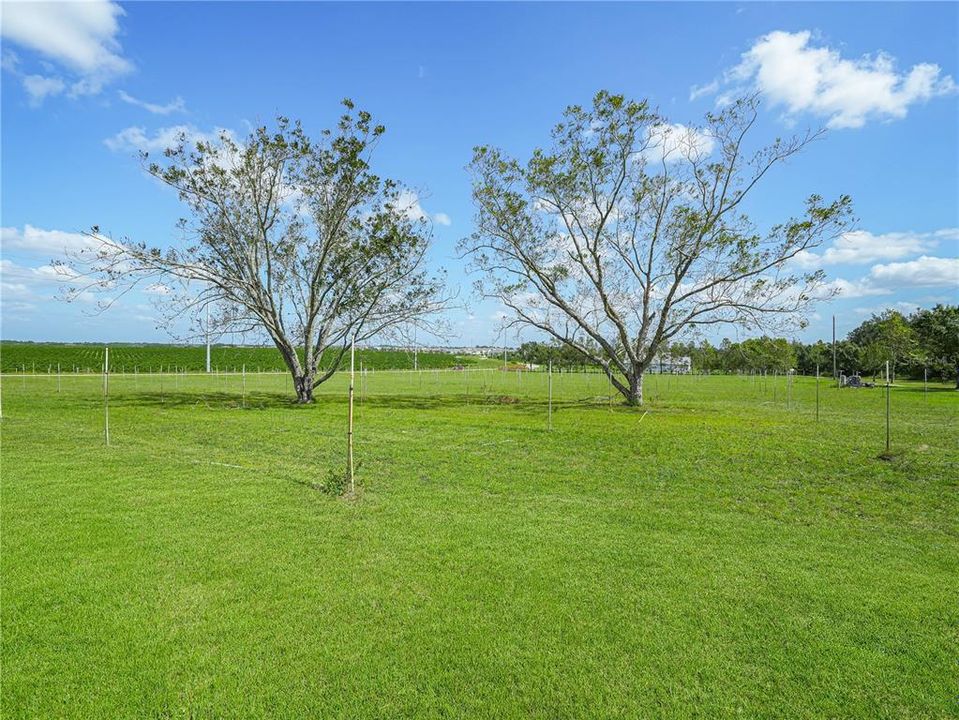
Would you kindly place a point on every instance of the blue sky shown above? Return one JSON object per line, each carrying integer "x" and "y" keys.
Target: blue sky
{"x": 85, "y": 85}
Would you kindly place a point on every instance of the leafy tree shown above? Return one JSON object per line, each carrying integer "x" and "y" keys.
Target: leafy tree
{"x": 937, "y": 332}
{"x": 889, "y": 337}
{"x": 630, "y": 231}
{"x": 809, "y": 357}
{"x": 536, "y": 353}
{"x": 763, "y": 353}
{"x": 706, "y": 357}
{"x": 290, "y": 237}
{"x": 848, "y": 357}
{"x": 873, "y": 357}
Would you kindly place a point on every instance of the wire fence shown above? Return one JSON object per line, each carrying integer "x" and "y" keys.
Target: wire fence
{"x": 540, "y": 394}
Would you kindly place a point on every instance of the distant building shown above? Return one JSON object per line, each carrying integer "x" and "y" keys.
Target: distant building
{"x": 484, "y": 350}
{"x": 671, "y": 365}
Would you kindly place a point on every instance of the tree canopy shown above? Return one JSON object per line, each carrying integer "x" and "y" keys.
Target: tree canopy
{"x": 629, "y": 231}
{"x": 291, "y": 237}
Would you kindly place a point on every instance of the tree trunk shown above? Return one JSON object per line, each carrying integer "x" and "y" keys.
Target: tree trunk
{"x": 635, "y": 396}
{"x": 304, "y": 388}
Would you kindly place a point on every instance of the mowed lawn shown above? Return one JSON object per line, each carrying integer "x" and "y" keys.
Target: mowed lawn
{"x": 718, "y": 553}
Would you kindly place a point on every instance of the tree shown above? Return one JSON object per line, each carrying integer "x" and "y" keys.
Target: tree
{"x": 630, "y": 231}
{"x": 938, "y": 335}
{"x": 809, "y": 357}
{"x": 848, "y": 357}
{"x": 886, "y": 337}
{"x": 290, "y": 237}
{"x": 769, "y": 354}
{"x": 706, "y": 358}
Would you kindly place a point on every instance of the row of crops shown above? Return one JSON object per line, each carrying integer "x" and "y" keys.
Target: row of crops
{"x": 29, "y": 357}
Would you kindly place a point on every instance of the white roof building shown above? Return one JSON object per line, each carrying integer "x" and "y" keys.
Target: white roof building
{"x": 671, "y": 364}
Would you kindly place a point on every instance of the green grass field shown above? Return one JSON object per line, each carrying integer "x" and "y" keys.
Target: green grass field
{"x": 718, "y": 553}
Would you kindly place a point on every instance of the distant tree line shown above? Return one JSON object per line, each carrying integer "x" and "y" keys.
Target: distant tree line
{"x": 924, "y": 341}
{"x": 40, "y": 357}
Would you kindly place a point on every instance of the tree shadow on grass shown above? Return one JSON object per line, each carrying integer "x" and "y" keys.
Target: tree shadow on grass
{"x": 275, "y": 401}
{"x": 938, "y": 388}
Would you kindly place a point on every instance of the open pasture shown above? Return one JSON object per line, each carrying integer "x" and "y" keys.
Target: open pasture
{"x": 718, "y": 549}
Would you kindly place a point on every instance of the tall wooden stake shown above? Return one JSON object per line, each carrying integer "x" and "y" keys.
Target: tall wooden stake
{"x": 817, "y": 392}
{"x": 244, "y": 385}
{"x": 106, "y": 395}
{"x": 887, "y": 407}
{"x": 58, "y": 377}
{"x": 834, "y": 374}
{"x": 925, "y": 383}
{"x": 208, "y": 338}
{"x": 549, "y": 385}
{"x": 349, "y": 462}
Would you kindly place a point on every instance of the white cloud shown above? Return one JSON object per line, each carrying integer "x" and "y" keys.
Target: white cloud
{"x": 924, "y": 271}
{"x": 9, "y": 60}
{"x": 45, "y": 242}
{"x": 854, "y": 288}
{"x": 15, "y": 291}
{"x": 409, "y": 203}
{"x": 672, "y": 142}
{"x": 174, "y": 106}
{"x": 698, "y": 91}
{"x": 39, "y": 88}
{"x": 904, "y": 307}
{"x": 33, "y": 276}
{"x": 884, "y": 279}
{"x": 80, "y": 37}
{"x": 861, "y": 247}
{"x": 157, "y": 289}
{"x": 791, "y": 72}
{"x": 133, "y": 139}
